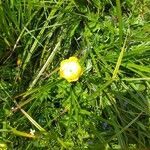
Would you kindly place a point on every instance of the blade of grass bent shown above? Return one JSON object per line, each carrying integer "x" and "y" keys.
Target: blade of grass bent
{"x": 49, "y": 60}
{"x": 33, "y": 121}
{"x": 119, "y": 60}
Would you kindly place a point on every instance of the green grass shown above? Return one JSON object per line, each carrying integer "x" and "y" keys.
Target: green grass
{"x": 108, "y": 108}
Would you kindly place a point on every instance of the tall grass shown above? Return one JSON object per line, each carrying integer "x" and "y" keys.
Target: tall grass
{"x": 108, "y": 107}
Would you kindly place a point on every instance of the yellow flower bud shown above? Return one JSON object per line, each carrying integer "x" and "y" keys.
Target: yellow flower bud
{"x": 19, "y": 62}
{"x": 70, "y": 69}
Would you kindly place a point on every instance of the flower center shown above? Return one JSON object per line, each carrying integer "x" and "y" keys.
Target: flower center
{"x": 70, "y": 68}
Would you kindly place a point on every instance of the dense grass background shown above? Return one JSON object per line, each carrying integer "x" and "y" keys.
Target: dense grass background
{"x": 108, "y": 107}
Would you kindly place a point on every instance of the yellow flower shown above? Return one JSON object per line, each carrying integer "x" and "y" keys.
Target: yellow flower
{"x": 19, "y": 62}
{"x": 70, "y": 69}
